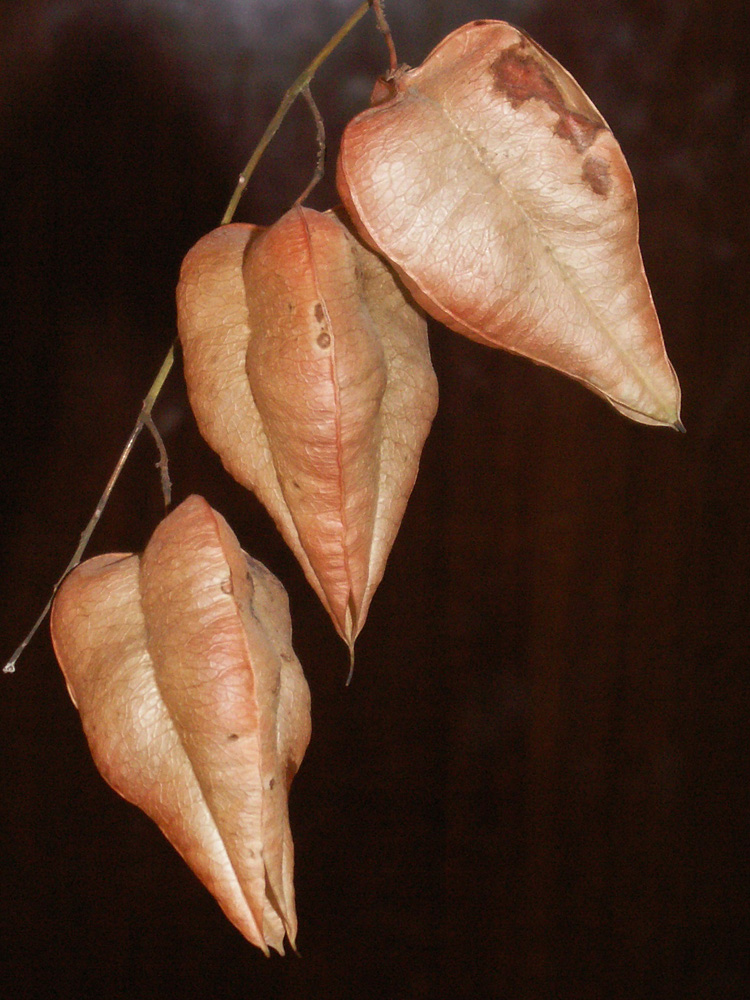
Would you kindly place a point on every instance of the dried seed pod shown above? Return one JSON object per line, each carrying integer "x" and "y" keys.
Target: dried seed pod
{"x": 497, "y": 191}
{"x": 194, "y": 704}
{"x": 308, "y": 371}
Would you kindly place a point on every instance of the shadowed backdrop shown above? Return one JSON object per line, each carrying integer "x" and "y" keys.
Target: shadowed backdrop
{"x": 537, "y": 784}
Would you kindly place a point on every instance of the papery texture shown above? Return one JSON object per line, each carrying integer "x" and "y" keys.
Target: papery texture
{"x": 499, "y": 194}
{"x": 308, "y": 371}
{"x": 194, "y": 704}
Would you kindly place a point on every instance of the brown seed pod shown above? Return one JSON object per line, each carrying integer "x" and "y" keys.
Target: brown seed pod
{"x": 308, "y": 371}
{"x": 194, "y": 704}
{"x": 499, "y": 194}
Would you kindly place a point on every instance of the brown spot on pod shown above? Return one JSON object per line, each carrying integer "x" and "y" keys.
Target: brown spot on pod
{"x": 595, "y": 172}
{"x": 576, "y": 129}
{"x": 521, "y": 77}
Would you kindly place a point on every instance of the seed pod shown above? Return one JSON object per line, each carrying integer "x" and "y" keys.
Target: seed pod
{"x": 194, "y": 705}
{"x": 497, "y": 191}
{"x": 308, "y": 371}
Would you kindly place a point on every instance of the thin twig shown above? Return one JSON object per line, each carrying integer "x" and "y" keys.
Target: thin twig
{"x": 287, "y": 100}
{"x": 145, "y": 419}
{"x": 377, "y": 6}
{"x": 320, "y": 136}
{"x": 163, "y": 464}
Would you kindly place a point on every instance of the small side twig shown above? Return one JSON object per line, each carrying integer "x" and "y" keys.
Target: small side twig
{"x": 320, "y": 136}
{"x": 163, "y": 463}
{"x": 377, "y": 6}
{"x": 144, "y": 420}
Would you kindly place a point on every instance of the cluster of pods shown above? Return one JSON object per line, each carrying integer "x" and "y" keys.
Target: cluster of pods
{"x": 482, "y": 188}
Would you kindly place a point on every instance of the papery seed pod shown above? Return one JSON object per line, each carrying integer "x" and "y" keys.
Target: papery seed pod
{"x": 308, "y": 371}
{"x": 497, "y": 191}
{"x": 194, "y": 704}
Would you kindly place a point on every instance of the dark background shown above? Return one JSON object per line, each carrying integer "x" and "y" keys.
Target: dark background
{"x": 537, "y": 784}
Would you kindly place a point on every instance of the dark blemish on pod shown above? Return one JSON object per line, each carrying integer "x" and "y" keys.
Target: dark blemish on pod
{"x": 272, "y": 782}
{"x": 578, "y": 129}
{"x": 233, "y": 736}
{"x": 520, "y": 77}
{"x": 595, "y": 172}
{"x": 324, "y": 337}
